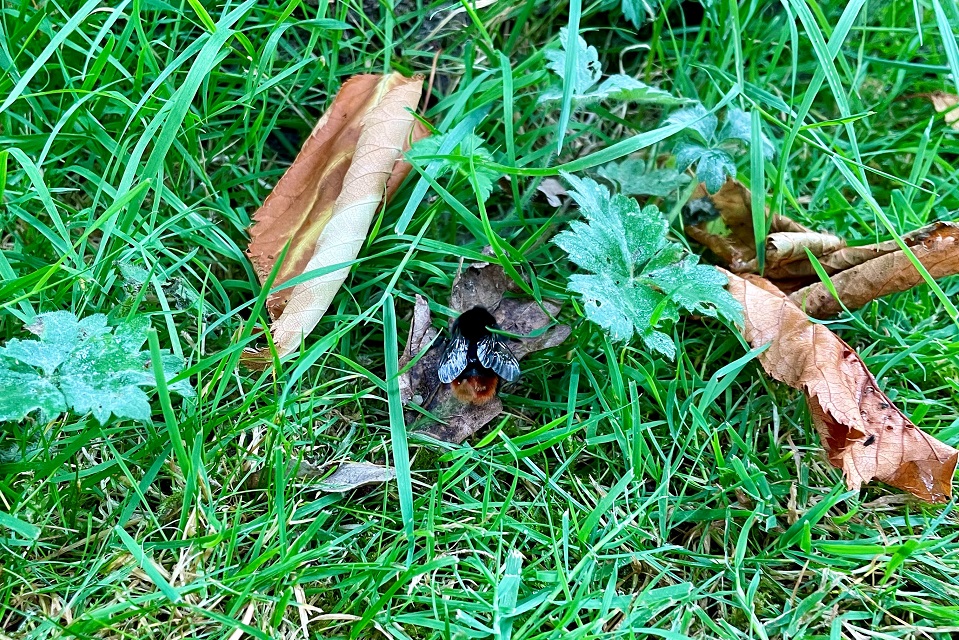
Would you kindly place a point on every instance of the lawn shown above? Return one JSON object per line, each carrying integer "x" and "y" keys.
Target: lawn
{"x": 622, "y": 493}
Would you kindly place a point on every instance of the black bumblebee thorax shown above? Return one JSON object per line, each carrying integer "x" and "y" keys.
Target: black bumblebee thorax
{"x": 475, "y": 323}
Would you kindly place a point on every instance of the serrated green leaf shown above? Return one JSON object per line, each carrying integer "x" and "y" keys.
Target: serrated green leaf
{"x": 697, "y": 288}
{"x": 134, "y": 275}
{"x": 701, "y": 124}
{"x": 84, "y": 365}
{"x": 470, "y": 147}
{"x": 102, "y": 378}
{"x": 659, "y": 341}
{"x": 59, "y": 332}
{"x": 25, "y": 391}
{"x": 588, "y": 70}
{"x": 639, "y": 279}
{"x": 688, "y": 153}
{"x": 636, "y": 11}
{"x": 628, "y": 89}
{"x": 587, "y": 89}
{"x": 711, "y": 153}
{"x": 714, "y": 167}
{"x": 738, "y": 127}
{"x": 632, "y": 178}
{"x": 131, "y": 334}
{"x": 614, "y": 304}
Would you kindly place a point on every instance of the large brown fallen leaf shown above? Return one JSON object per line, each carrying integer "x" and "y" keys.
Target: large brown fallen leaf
{"x": 479, "y": 284}
{"x": 863, "y": 433}
{"x": 326, "y": 200}
{"x": 936, "y": 247}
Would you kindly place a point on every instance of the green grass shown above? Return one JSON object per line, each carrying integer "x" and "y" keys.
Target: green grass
{"x": 647, "y": 498}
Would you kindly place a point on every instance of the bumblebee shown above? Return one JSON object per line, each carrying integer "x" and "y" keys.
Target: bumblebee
{"x": 476, "y": 359}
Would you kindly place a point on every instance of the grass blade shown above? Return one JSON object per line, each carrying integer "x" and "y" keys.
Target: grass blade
{"x": 400, "y": 446}
{"x": 569, "y": 73}
{"x": 145, "y": 562}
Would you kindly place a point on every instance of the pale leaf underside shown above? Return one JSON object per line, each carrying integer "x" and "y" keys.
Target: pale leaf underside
{"x": 326, "y": 200}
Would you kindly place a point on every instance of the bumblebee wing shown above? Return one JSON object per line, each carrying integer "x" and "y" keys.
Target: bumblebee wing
{"x": 494, "y": 354}
{"x": 454, "y": 359}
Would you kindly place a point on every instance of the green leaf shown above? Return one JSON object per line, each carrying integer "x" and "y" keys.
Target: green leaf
{"x": 628, "y": 89}
{"x": 25, "y": 391}
{"x": 639, "y": 279}
{"x": 702, "y": 124}
{"x": 688, "y": 153}
{"x": 84, "y": 365}
{"x": 632, "y": 178}
{"x": 59, "y": 332}
{"x": 738, "y": 127}
{"x": 588, "y": 69}
{"x": 712, "y": 153}
{"x": 458, "y": 161}
{"x": 637, "y": 11}
{"x": 587, "y": 89}
{"x": 714, "y": 167}
{"x": 697, "y": 288}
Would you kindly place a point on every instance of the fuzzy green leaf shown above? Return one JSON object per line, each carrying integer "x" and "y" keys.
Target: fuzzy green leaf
{"x": 637, "y": 11}
{"x": 711, "y": 153}
{"x": 589, "y": 69}
{"x": 587, "y": 89}
{"x": 639, "y": 279}
{"x": 713, "y": 165}
{"x": 84, "y": 365}
{"x": 700, "y": 123}
{"x": 25, "y": 391}
{"x": 738, "y": 128}
{"x": 628, "y": 89}
{"x": 632, "y": 177}
{"x": 470, "y": 147}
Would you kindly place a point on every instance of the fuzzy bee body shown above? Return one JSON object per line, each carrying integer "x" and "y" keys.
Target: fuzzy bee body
{"x": 476, "y": 359}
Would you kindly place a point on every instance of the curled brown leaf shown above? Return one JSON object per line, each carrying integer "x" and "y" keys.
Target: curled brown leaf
{"x": 553, "y": 190}
{"x": 421, "y": 337}
{"x": 936, "y": 247}
{"x": 324, "y": 203}
{"x": 859, "y": 273}
{"x": 732, "y": 204}
{"x": 863, "y": 433}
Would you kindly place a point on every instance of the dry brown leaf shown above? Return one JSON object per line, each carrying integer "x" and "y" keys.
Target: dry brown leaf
{"x": 552, "y": 189}
{"x": 863, "y": 433}
{"x": 350, "y": 475}
{"x": 422, "y": 335}
{"x": 936, "y": 247}
{"x": 484, "y": 285}
{"x": 327, "y": 198}
{"x": 732, "y": 203}
{"x": 948, "y": 104}
{"x": 786, "y": 243}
